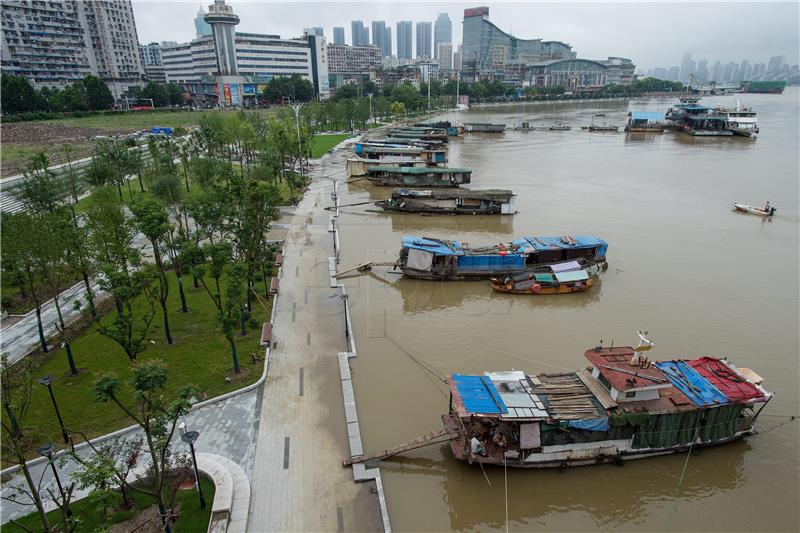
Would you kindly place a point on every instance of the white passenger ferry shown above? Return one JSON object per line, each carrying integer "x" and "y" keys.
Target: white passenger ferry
{"x": 740, "y": 120}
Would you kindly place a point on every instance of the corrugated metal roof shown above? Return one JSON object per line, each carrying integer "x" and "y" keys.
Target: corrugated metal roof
{"x": 647, "y": 115}
{"x": 430, "y": 245}
{"x": 420, "y": 170}
{"x": 691, "y": 383}
{"x": 478, "y": 394}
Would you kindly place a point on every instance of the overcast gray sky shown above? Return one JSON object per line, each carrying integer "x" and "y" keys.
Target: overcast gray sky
{"x": 650, "y": 33}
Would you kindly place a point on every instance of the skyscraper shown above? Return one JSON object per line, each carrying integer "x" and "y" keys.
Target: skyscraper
{"x": 404, "y": 50}
{"x": 442, "y": 32}
{"x": 382, "y": 37}
{"x": 360, "y": 34}
{"x": 201, "y": 27}
{"x": 424, "y": 40}
{"x": 338, "y": 35}
{"x": 316, "y": 30}
{"x": 444, "y": 53}
{"x": 701, "y": 72}
{"x": 687, "y": 68}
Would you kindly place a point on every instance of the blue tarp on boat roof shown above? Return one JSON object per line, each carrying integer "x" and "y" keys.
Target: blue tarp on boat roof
{"x": 590, "y": 424}
{"x": 647, "y": 115}
{"x": 550, "y": 243}
{"x": 430, "y": 245}
{"x": 494, "y": 263}
{"x": 478, "y": 394}
{"x": 691, "y": 383}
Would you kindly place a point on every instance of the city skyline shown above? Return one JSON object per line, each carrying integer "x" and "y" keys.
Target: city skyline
{"x": 597, "y": 30}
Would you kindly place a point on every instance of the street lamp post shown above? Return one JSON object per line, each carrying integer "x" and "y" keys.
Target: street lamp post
{"x": 296, "y": 108}
{"x": 46, "y": 450}
{"x": 370, "y": 108}
{"x": 189, "y": 437}
{"x": 346, "y": 328}
{"x": 47, "y": 381}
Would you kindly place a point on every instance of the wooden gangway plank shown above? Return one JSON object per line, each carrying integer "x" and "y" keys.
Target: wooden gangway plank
{"x": 364, "y": 267}
{"x": 429, "y": 439}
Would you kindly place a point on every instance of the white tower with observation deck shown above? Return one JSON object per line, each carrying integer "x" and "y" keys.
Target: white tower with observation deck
{"x": 223, "y": 23}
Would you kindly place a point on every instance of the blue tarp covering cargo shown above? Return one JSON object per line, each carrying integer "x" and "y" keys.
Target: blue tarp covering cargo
{"x": 478, "y": 394}
{"x": 691, "y": 383}
{"x": 491, "y": 262}
{"x": 159, "y": 130}
{"x": 552, "y": 243}
{"x": 592, "y": 424}
{"x": 430, "y": 245}
{"x": 647, "y": 116}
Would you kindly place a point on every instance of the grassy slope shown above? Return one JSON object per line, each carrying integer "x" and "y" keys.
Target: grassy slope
{"x": 321, "y": 144}
{"x": 192, "y": 518}
{"x": 200, "y": 355}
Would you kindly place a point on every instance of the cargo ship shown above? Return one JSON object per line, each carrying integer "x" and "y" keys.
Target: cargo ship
{"x": 451, "y": 202}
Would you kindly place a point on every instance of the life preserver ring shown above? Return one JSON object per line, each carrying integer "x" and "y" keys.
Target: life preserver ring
{"x": 536, "y": 288}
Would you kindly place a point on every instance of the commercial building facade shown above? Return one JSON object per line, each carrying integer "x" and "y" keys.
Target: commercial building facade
{"x": 486, "y": 47}
{"x": 347, "y": 63}
{"x": 575, "y": 75}
{"x": 619, "y": 70}
{"x": 57, "y": 42}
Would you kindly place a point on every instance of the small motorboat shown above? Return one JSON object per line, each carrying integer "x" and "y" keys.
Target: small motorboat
{"x": 555, "y": 279}
{"x": 760, "y": 211}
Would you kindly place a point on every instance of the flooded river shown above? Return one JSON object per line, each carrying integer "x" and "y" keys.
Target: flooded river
{"x": 703, "y": 279}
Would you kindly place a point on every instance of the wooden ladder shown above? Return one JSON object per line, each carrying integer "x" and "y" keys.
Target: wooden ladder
{"x": 429, "y": 439}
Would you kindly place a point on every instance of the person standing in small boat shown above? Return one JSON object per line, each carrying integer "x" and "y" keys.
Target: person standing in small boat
{"x": 767, "y": 207}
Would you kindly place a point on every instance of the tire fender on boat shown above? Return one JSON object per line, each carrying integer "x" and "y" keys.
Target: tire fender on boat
{"x": 536, "y": 288}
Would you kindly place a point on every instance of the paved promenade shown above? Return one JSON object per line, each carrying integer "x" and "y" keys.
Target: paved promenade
{"x": 298, "y": 481}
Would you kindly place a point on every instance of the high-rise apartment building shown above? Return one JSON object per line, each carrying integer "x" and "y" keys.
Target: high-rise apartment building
{"x": 151, "y": 53}
{"x": 701, "y": 72}
{"x": 442, "y": 32}
{"x": 424, "y": 40}
{"x": 457, "y": 58}
{"x": 201, "y": 27}
{"x": 444, "y": 53}
{"x": 687, "y": 68}
{"x": 338, "y": 35}
{"x": 404, "y": 47}
{"x": 382, "y": 37}
{"x": 57, "y": 42}
{"x": 359, "y": 33}
{"x": 316, "y": 30}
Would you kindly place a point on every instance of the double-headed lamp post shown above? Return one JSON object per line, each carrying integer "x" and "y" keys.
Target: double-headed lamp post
{"x": 296, "y": 108}
{"x": 47, "y": 381}
{"x": 189, "y": 437}
{"x": 46, "y": 450}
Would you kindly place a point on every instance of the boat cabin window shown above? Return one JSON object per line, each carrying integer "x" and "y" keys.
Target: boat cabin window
{"x": 630, "y": 394}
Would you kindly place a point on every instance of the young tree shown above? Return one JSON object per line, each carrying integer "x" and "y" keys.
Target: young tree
{"x": 52, "y": 255}
{"x": 111, "y": 235}
{"x": 16, "y": 388}
{"x": 152, "y": 220}
{"x": 40, "y": 190}
{"x": 157, "y": 416}
{"x": 22, "y": 238}
{"x": 228, "y": 305}
{"x": 98, "y": 96}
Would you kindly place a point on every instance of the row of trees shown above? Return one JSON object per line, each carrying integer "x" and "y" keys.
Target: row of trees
{"x": 89, "y": 94}
{"x": 162, "y": 94}
{"x": 211, "y": 197}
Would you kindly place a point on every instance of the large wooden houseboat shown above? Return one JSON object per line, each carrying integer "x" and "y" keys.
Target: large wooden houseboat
{"x": 436, "y": 259}
{"x": 621, "y": 407}
{"x": 397, "y": 176}
{"x": 451, "y": 202}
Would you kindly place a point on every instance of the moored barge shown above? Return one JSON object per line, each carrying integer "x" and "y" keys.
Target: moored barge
{"x": 621, "y": 407}
{"x": 451, "y": 202}
{"x": 436, "y": 259}
{"x": 560, "y": 278}
{"x": 418, "y": 177}
{"x": 484, "y": 127}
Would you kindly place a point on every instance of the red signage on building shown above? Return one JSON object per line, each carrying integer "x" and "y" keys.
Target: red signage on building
{"x": 482, "y": 11}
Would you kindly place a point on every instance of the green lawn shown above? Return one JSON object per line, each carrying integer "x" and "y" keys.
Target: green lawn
{"x": 321, "y": 144}
{"x": 200, "y": 355}
{"x": 192, "y": 518}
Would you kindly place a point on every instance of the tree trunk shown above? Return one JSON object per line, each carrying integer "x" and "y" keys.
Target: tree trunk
{"x": 70, "y": 359}
{"x": 166, "y": 320}
{"x": 139, "y": 177}
{"x": 184, "y": 308}
{"x": 58, "y": 308}
{"x": 42, "y": 340}
{"x": 235, "y": 355}
{"x": 37, "y": 500}
{"x": 89, "y": 293}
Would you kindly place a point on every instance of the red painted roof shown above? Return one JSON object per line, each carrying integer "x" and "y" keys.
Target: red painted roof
{"x": 621, "y": 358}
{"x": 724, "y": 378}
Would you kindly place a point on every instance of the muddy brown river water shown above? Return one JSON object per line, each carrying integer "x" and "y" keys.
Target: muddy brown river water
{"x": 703, "y": 279}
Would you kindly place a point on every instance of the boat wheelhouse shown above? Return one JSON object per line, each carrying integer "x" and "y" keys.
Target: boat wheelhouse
{"x": 621, "y": 407}
{"x": 740, "y": 120}
{"x": 698, "y": 120}
{"x": 396, "y": 176}
{"x": 427, "y": 258}
{"x": 451, "y": 202}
